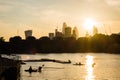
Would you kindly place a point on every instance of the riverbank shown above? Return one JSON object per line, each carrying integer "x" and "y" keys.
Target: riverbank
{"x": 9, "y": 69}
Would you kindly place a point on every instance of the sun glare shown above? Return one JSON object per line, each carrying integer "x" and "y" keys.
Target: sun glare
{"x": 89, "y": 23}
{"x": 89, "y": 67}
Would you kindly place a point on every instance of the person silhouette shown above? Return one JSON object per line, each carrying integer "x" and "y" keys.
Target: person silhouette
{"x": 40, "y": 68}
{"x": 30, "y": 69}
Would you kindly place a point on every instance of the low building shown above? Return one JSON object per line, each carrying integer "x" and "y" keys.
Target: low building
{"x": 51, "y": 35}
{"x": 58, "y": 34}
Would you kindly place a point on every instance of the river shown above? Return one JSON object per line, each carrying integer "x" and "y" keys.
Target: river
{"x": 106, "y": 67}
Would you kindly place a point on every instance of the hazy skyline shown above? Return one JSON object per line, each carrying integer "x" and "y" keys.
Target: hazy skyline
{"x": 43, "y": 16}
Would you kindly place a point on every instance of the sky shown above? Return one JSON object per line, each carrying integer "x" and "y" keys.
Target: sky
{"x": 43, "y": 16}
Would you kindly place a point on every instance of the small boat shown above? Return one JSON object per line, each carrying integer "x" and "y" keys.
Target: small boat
{"x": 34, "y": 70}
{"x": 79, "y": 64}
{"x": 30, "y": 70}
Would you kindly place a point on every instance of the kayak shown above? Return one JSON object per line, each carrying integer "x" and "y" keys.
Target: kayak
{"x": 34, "y": 70}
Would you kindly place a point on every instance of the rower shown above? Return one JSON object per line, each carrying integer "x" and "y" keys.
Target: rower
{"x": 40, "y": 67}
{"x": 30, "y": 69}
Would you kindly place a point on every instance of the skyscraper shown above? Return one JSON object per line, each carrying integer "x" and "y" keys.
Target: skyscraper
{"x": 28, "y": 33}
{"x": 63, "y": 28}
{"x": 95, "y": 30}
{"x": 68, "y": 32}
{"x": 75, "y": 32}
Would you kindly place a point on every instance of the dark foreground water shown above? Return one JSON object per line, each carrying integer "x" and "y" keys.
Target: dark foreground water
{"x": 107, "y": 67}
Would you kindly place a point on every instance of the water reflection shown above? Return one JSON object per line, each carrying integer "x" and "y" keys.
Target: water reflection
{"x": 89, "y": 67}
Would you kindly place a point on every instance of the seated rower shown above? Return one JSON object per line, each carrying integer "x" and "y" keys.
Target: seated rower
{"x": 40, "y": 67}
{"x": 30, "y": 69}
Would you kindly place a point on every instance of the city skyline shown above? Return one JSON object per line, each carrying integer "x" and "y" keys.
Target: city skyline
{"x": 44, "y": 16}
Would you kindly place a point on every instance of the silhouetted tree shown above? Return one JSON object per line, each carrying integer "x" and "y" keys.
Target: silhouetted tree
{"x": 43, "y": 44}
{"x": 99, "y": 42}
{"x": 96, "y": 43}
{"x": 2, "y": 39}
{"x": 16, "y": 44}
{"x": 115, "y": 38}
{"x": 31, "y": 38}
{"x": 30, "y": 44}
{"x": 15, "y": 39}
{"x": 44, "y": 38}
{"x": 70, "y": 44}
{"x": 83, "y": 44}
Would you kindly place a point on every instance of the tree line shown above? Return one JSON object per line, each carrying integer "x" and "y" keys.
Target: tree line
{"x": 98, "y": 43}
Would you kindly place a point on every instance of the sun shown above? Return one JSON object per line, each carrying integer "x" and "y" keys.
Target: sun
{"x": 88, "y": 24}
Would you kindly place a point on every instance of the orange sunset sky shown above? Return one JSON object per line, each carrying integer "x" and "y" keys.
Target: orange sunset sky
{"x": 43, "y": 16}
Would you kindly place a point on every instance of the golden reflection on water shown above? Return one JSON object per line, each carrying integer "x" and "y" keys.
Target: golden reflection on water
{"x": 89, "y": 67}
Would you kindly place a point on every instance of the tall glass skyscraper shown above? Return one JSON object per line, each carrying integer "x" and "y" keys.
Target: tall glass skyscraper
{"x": 28, "y": 33}
{"x": 63, "y": 28}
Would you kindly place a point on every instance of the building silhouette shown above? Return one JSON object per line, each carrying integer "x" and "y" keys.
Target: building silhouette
{"x": 95, "y": 30}
{"x": 68, "y": 32}
{"x": 63, "y": 28}
{"x": 28, "y": 33}
{"x": 75, "y": 32}
{"x": 51, "y": 35}
{"x": 58, "y": 33}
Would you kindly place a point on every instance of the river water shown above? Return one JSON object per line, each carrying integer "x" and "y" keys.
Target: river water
{"x": 107, "y": 67}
